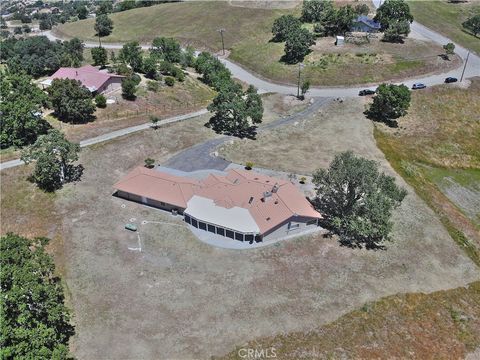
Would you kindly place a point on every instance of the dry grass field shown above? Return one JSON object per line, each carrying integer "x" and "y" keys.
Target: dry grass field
{"x": 447, "y": 17}
{"x": 248, "y": 34}
{"x": 441, "y": 325}
{"x": 184, "y": 299}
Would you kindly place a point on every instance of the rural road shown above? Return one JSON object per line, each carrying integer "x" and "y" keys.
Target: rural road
{"x": 117, "y": 133}
{"x": 417, "y": 31}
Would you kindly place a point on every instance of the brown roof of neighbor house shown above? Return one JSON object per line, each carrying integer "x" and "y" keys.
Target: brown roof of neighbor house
{"x": 270, "y": 201}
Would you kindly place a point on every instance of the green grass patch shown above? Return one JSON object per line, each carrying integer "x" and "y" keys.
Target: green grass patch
{"x": 447, "y": 18}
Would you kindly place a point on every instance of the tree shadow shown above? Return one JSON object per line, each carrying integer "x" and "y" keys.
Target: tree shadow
{"x": 392, "y": 123}
{"x": 399, "y": 40}
{"x": 244, "y": 133}
{"x": 87, "y": 120}
{"x": 444, "y": 57}
{"x": 286, "y": 60}
{"x": 367, "y": 243}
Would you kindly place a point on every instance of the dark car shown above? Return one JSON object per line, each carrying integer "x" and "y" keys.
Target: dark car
{"x": 418, "y": 86}
{"x": 366, "y": 92}
{"x": 449, "y": 80}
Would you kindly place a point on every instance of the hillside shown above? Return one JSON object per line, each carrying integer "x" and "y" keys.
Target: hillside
{"x": 193, "y": 23}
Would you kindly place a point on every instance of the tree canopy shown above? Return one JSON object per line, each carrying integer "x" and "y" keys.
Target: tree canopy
{"x": 391, "y": 12}
{"x": 390, "y": 102}
{"x": 54, "y": 159}
{"x": 131, "y": 54}
{"x": 129, "y": 88}
{"x": 337, "y": 21}
{"x": 214, "y": 73}
{"x": 284, "y": 26}
{"x": 35, "y": 321}
{"x": 103, "y": 25}
{"x": 71, "y": 101}
{"x": 236, "y": 112}
{"x": 38, "y": 56}
{"x": 472, "y": 24}
{"x": 357, "y": 200}
{"x": 396, "y": 31}
{"x": 99, "y": 56}
{"x": 20, "y": 105}
{"x": 313, "y": 10}
{"x": 298, "y": 45}
{"x": 166, "y": 48}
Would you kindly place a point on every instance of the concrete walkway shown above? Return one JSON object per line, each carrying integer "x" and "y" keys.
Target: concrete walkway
{"x": 116, "y": 134}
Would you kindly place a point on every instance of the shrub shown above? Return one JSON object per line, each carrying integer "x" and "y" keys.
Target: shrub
{"x": 101, "y": 101}
{"x": 136, "y": 78}
{"x": 303, "y": 180}
{"x": 149, "y": 163}
{"x": 170, "y": 81}
{"x": 153, "y": 85}
{"x": 249, "y": 165}
{"x": 154, "y": 120}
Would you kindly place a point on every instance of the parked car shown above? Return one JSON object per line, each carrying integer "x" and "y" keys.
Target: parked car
{"x": 366, "y": 92}
{"x": 418, "y": 86}
{"x": 449, "y": 80}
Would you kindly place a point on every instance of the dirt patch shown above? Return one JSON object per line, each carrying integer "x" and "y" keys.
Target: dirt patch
{"x": 184, "y": 299}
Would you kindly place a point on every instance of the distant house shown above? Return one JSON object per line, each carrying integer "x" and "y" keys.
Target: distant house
{"x": 238, "y": 204}
{"x": 98, "y": 82}
{"x": 364, "y": 24}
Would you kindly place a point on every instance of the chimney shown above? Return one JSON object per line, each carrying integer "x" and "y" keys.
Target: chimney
{"x": 275, "y": 188}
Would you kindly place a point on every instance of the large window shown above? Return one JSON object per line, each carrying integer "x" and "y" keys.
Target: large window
{"x": 221, "y": 231}
{"x": 239, "y": 236}
{"x": 211, "y": 228}
{"x": 202, "y": 225}
{"x": 249, "y": 238}
{"x": 194, "y": 223}
{"x": 187, "y": 219}
{"x": 312, "y": 222}
{"x": 230, "y": 234}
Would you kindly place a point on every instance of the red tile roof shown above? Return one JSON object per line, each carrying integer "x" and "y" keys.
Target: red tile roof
{"x": 88, "y": 75}
{"x": 270, "y": 201}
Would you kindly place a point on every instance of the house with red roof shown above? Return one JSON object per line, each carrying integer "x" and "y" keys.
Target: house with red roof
{"x": 95, "y": 80}
{"x": 241, "y": 205}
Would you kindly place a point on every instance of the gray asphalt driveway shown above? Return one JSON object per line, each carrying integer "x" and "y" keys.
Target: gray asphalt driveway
{"x": 203, "y": 156}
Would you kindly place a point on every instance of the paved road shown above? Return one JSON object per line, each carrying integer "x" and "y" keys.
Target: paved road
{"x": 202, "y": 156}
{"x": 116, "y": 134}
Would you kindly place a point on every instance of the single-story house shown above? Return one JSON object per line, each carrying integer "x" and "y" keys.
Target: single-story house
{"x": 364, "y": 24}
{"x": 241, "y": 205}
{"x": 96, "y": 81}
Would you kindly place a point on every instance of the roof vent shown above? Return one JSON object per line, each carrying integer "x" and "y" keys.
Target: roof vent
{"x": 268, "y": 218}
{"x": 275, "y": 188}
{"x": 266, "y": 195}
{"x": 251, "y": 200}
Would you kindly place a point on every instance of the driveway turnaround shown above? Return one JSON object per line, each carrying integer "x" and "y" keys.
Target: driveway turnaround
{"x": 202, "y": 156}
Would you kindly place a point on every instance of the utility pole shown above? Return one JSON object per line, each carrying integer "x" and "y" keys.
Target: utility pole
{"x": 465, "y": 66}
{"x": 299, "y": 74}
{"x": 221, "y": 31}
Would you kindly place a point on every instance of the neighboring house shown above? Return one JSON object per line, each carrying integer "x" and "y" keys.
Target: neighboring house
{"x": 96, "y": 81}
{"x": 239, "y": 204}
{"x": 364, "y": 24}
